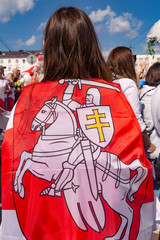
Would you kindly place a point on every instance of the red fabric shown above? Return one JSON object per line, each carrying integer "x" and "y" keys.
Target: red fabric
{"x": 34, "y": 80}
{"x": 10, "y": 103}
{"x": 48, "y": 218}
{"x": 28, "y": 70}
{"x": 1, "y": 103}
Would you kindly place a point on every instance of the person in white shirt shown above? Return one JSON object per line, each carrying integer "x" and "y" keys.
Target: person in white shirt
{"x": 4, "y": 88}
{"x": 121, "y": 64}
{"x": 150, "y": 98}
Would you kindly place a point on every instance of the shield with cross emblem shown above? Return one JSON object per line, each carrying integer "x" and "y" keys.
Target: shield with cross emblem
{"x": 97, "y": 125}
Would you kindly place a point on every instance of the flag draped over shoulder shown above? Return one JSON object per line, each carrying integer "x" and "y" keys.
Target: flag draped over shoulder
{"x": 73, "y": 165}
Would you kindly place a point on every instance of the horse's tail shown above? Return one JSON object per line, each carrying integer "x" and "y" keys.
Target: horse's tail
{"x": 136, "y": 181}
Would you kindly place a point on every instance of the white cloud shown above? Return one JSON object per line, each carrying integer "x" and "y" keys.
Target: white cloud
{"x": 41, "y": 26}
{"x": 100, "y": 15}
{"x": 98, "y": 28}
{"x": 124, "y": 23}
{"x": 88, "y": 8}
{"x": 105, "y": 53}
{"x": 10, "y": 7}
{"x": 31, "y": 41}
{"x": 157, "y": 49}
{"x": 155, "y": 30}
{"x": 19, "y": 43}
{"x": 118, "y": 24}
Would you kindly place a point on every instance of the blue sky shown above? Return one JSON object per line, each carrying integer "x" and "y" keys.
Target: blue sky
{"x": 117, "y": 22}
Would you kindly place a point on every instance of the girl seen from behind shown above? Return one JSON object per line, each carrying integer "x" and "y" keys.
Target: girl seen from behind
{"x": 68, "y": 158}
{"x": 121, "y": 65}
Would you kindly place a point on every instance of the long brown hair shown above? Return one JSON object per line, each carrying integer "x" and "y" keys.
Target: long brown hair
{"x": 71, "y": 47}
{"x": 153, "y": 75}
{"x": 121, "y": 63}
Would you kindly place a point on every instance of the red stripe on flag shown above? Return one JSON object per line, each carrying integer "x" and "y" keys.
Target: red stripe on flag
{"x": 7, "y": 168}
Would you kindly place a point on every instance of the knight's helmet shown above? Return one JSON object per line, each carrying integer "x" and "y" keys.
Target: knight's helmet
{"x": 96, "y": 95}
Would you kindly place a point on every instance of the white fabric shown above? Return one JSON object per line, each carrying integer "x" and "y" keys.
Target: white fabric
{"x": 146, "y": 221}
{"x": 3, "y": 84}
{"x": 10, "y": 226}
{"x": 150, "y": 99}
{"x": 146, "y": 94}
{"x": 156, "y": 110}
{"x": 10, "y": 122}
{"x": 156, "y": 225}
{"x": 4, "y": 117}
{"x": 130, "y": 90}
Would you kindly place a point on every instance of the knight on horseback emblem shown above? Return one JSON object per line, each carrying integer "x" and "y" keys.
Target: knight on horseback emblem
{"x": 71, "y": 155}
{"x": 91, "y": 135}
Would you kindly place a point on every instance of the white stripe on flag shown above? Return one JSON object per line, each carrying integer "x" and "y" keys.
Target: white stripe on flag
{"x": 10, "y": 227}
{"x": 146, "y": 221}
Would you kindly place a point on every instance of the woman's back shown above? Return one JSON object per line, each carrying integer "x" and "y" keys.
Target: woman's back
{"x": 71, "y": 146}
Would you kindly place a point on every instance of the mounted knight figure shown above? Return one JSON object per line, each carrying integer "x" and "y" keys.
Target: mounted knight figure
{"x": 82, "y": 144}
{"x": 73, "y": 163}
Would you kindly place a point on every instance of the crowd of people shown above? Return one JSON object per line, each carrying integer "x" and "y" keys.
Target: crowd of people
{"x": 11, "y": 85}
{"x": 75, "y": 60}
{"x": 8, "y": 89}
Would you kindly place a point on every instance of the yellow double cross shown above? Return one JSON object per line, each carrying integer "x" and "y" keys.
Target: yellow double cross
{"x": 97, "y": 123}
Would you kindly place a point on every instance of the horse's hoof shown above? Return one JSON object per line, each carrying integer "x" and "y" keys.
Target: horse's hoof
{"x": 21, "y": 193}
{"x": 131, "y": 198}
{"x": 15, "y": 188}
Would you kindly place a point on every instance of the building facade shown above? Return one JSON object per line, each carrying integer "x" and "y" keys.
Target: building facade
{"x": 146, "y": 58}
{"x": 18, "y": 59}
{"x": 25, "y": 59}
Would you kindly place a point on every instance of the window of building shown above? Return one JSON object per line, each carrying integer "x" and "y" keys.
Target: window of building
{"x": 17, "y": 60}
{"x": 9, "y": 69}
{"x": 23, "y": 60}
{"x": 9, "y": 60}
{"x": 32, "y": 59}
{"x": 1, "y": 61}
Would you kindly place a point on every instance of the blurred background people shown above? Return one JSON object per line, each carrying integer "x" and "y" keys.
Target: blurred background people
{"x": 11, "y": 94}
{"x": 4, "y": 88}
{"x": 16, "y": 77}
{"x": 141, "y": 76}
